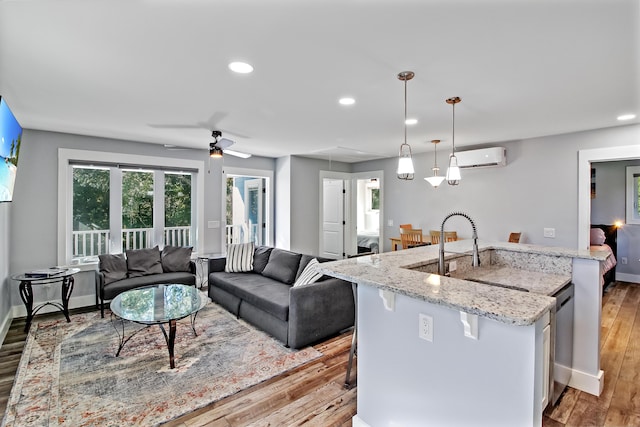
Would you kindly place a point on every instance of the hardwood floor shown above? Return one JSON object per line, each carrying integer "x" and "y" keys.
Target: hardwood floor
{"x": 313, "y": 394}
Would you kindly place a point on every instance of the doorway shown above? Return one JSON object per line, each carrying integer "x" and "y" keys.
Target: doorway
{"x": 247, "y": 207}
{"x": 351, "y": 213}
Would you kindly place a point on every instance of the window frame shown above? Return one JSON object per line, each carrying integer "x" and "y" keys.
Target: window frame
{"x": 632, "y": 204}
{"x": 67, "y": 157}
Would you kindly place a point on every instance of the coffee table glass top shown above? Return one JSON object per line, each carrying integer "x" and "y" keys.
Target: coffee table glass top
{"x": 157, "y": 303}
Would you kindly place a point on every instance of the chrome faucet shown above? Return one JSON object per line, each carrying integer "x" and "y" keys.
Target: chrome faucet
{"x": 476, "y": 258}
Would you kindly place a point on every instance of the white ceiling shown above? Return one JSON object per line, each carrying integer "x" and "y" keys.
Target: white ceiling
{"x": 156, "y": 70}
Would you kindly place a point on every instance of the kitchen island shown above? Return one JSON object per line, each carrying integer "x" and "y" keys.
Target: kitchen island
{"x": 449, "y": 351}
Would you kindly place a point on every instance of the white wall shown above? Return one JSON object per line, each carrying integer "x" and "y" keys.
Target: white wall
{"x": 5, "y": 281}
{"x": 537, "y": 189}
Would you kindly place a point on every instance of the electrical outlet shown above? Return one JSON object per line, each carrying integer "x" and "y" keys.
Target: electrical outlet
{"x": 453, "y": 266}
{"x": 623, "y": 260}
{"x": 550, "y": 233}
{"x": 390, "y": 223}
{"x": 425, "y": 327}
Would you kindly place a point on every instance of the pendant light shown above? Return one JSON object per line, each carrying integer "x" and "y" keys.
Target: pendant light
{"x": 435, "y": 180}
{"x": 405, "y": 162}
{"x": 453, "y": 171}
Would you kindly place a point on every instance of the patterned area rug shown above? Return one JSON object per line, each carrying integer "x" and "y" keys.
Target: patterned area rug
{"x": 69, "y": 375}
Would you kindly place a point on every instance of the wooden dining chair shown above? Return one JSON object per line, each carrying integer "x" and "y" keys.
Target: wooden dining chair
{"x": 405, "y": 226}
{"x": 514, "y": 237}
{"x": 449, "y": 236}
{"x": 411, "y": 237}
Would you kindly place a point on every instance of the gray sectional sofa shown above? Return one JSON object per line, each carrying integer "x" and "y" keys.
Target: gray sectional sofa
{"x": 142, "y": 267}
{"x": 265, "y": 297}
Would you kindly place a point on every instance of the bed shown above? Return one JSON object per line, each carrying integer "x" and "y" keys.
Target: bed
{"x": 368, "y": 241}
{"x": 604, "y": 238}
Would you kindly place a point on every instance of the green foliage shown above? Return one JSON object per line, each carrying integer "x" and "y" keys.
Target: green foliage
{"x": 137, "y": 199}
{"x": 90, "y": 199}
{"x": 375, "y": 198}
{"x": 14, "y": 150}
{"x": 230, "y": 201}
{"x": 177, "y": 200}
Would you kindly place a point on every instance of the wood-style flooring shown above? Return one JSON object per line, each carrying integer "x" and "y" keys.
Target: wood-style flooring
{"x": 313, "y": 394}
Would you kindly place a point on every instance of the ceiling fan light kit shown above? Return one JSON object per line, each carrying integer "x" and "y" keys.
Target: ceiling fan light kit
{"x": 405, "y": 169}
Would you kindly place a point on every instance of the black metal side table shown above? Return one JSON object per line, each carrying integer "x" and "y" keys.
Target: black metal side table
{"x": 27, "y": 280}
{"x": 202, "y": 261}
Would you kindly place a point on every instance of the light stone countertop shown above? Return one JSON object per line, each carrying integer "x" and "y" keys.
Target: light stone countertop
{"x": 392, "y": 271}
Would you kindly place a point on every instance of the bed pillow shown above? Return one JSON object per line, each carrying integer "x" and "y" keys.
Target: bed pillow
{"x": 309, "y": 275}
{"x": 113, "y": 267}
{"x": 597, "y": 236}
{"x": 240, "y": 258}
{"x": 143, "y": 262}
{"x": 176, "y": 258}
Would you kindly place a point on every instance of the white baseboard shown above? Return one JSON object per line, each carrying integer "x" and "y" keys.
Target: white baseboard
{"x": 626, "y": 277}
{"x": 74, "y": 302}
{"x": 592, "y": 384}
{"x": 357, "y": 422}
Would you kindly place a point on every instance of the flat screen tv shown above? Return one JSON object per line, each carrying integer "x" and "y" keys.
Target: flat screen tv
{"x": 10, "y": 137}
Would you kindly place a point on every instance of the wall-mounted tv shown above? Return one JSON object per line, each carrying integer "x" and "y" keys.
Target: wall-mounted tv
{"x": 10, "y": 137}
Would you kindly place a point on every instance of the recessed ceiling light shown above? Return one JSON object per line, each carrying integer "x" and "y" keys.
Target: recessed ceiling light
{"x": 347, "y": 101}
{"x": 626, "y": 117}
{"x": 240, "y": 67}
{"x": 411, "y": 121}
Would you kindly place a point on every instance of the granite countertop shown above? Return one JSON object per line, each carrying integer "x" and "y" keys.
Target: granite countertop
{"x": 392, "y": 271}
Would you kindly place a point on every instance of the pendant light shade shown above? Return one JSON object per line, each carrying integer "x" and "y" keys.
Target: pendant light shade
{"x": 435, "y": 180}
{"x": 453, "y": 171}
{"x": 405, "y": 161}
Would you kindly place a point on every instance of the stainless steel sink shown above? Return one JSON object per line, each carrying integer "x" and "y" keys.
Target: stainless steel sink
{"x": 485, "y": 282}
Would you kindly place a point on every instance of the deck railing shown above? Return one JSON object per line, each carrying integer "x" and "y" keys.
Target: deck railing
{"x": 90, "y": 243}
{"x": 241, "y": 233}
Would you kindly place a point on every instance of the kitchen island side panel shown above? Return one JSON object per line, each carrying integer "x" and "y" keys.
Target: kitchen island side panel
{"x": 453, "y": 380}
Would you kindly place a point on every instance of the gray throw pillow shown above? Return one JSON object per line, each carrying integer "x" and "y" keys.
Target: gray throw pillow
{"x": 143, "y": 262}
{"x": 176, "y": 258}
{"x": 113, "y": 267}
{"x": 261, "y": 258}
{"x": 282, "y": 266}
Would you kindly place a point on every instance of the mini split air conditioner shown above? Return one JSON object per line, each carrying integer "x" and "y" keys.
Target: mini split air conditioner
{"x": 482, "y": 158}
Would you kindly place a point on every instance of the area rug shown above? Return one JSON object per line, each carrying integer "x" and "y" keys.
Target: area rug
{"x": 69, "y": 375}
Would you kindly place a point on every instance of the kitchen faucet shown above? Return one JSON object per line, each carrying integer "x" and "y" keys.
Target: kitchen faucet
{"x": 476, "y": 257}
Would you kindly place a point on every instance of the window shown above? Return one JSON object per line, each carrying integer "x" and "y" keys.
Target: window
{"x": 633, "y": 194}
{"x": 114, "y": 207}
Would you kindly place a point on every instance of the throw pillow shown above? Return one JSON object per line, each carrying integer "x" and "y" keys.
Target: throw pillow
{"x": 240, "y": 258}
{"x": 143, "y": 262}
{"x": 309, "y": 275}
{"x": 176, "y": 258}
{"x": 261, "y": 258}
{"x": 113, "y": 267}
{"x": 282, "y": 266}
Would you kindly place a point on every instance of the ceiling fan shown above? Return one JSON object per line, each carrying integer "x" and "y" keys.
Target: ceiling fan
{"x": 221, "y": 145}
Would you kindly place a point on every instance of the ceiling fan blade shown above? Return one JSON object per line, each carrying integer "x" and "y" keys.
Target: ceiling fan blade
{"x": 237, "y": 154}
{"x": 225, "y": 143}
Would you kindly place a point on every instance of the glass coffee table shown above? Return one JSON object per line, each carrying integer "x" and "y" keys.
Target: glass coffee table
{"x": 157, "y": 305}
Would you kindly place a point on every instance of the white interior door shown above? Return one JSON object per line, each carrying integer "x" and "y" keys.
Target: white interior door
{"x": 333, "y": 218}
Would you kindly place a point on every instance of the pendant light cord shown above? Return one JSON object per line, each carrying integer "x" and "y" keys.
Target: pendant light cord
{"x": 405, "y": 110}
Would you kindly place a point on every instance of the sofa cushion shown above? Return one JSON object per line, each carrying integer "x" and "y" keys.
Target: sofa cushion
{"x": 113, "y": 267}
{"x": 143, "y": 262}
{"x": 115, "y": 288}
{"x": 240, "y": 257}
{"x": 309, "y": 275}
{"x": 261, "y": 258}
{"x": 176, "y": 258}
{"x": 262, "y": 292}
{"x": 282, "y": 266}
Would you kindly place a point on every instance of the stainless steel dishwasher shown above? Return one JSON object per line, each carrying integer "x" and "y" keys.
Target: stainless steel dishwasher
{"x": 563, "y": 363}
